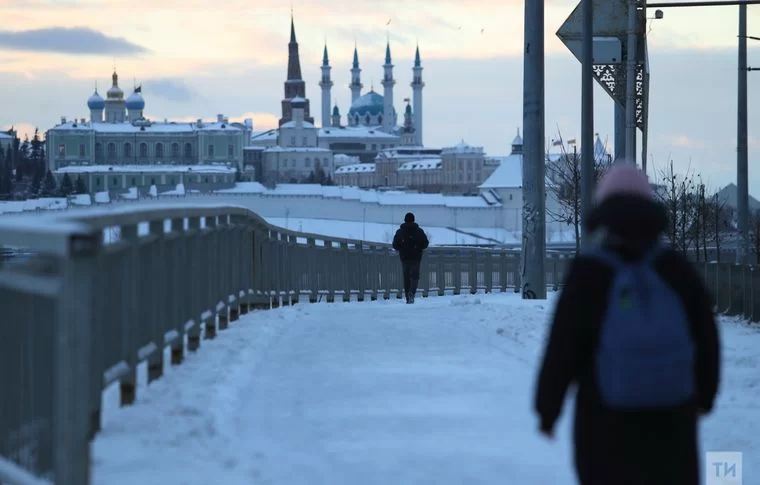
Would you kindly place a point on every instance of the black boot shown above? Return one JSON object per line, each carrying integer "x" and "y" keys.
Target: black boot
{"x": 413, "y": 290}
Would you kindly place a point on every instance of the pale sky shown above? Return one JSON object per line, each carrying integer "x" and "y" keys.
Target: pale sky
{"x": 197, "y": 58}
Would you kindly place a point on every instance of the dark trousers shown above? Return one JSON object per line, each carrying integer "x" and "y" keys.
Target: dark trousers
{"x": 411, "y": 275}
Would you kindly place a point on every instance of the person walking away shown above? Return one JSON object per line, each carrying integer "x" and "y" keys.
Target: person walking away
{"x": 410, "y": 241}
{"x": 634, "y": 329}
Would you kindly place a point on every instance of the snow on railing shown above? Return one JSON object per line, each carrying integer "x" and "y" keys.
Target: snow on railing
{"x": 115, "y": 286}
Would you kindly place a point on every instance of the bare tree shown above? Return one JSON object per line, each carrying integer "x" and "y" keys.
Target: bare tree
{"x": 754, "y": 235}
{"x": 680, "y": 195}
{"x": 720, "y": 216}
{"x": 564, "y": 182}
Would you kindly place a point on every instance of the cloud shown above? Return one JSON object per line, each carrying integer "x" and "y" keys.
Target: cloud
{"x": 68, "y": 40}
{"x": 370, "y": 36}
{"x": 173, "y": 89}
{"x": 261, "y": 121}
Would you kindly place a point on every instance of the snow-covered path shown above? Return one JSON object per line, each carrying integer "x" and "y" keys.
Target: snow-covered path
{"x": 374, "y": 393}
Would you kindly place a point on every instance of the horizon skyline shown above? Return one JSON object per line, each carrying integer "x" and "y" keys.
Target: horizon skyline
{"x": 464, "y": 71}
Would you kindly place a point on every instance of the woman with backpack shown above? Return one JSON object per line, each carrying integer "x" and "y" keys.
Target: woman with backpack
{"x": 634, "y": 329}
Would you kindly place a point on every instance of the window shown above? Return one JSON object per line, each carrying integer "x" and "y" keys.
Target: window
{"x": 134, "y": 182}
{"x": 293, "y": 140}
{"x": 188, "y": 150}
{"x": 111, "y": 147}
{"x": 143, "y": 150}
{"x": 159, "y": 150}
{"x": 374, "y": 147}
{"x": 81, "y": 149}
{"x": 175, "y": 150}
{"x": 211, "y": 150}
{"x": 305, "y": 141}
{"x": 230, "y": 150}
{"x": 115, "y": 181}
{"x": 307, "y": 162}
{"x": 127, "y": 150}
{"x": 98, "y": 151}
{"x": 61, "y": 150}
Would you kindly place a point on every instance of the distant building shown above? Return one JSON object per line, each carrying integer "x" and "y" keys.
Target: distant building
{"x": 452, "y": 170}
{"x": 117, "y": 134}
{"x": 371, "y": 123}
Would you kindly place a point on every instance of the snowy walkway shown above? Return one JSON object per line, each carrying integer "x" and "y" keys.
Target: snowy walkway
{"x": 375, "y": 393}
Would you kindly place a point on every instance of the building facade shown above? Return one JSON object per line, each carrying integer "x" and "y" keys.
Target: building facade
{"x": 118, "y": 135}
{"x": 453, "y": 170}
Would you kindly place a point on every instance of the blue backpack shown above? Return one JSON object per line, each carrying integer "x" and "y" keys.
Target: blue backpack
{"x": 645, "y": 357}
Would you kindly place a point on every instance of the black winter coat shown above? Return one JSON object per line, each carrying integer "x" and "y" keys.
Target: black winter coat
{"x": 410, "y": 240}
{"x": 631, "y": 448}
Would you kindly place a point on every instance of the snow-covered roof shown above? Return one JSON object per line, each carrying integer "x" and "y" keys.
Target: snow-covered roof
{"x": 507, "y": 175}
{"x": 407, "y": 155}
{"x": 264, "y": 135}
{"x": 433, "y": 164}
{"x": 462, "y": 147}
{"x": 6, "y": 136}
{"x": 356, "y": 132}
{"x": 395, "y": 198}
{"x": 356, "y": 168}
{"x": 159, "y": 127}
{"x": 145, "y": 168}
{"x": 292, "y": 124}
{"x": 296, "y": 149}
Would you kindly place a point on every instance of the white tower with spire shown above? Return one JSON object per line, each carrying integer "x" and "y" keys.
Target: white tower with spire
{"x": 417, "y": 85}
{"x": 356, "y": 78}
{"x": 326, "y": 84}
{"x": 389, "y": 114}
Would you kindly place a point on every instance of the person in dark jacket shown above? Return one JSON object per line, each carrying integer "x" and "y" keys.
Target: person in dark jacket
{"x": 410, "y": 241}
{"x": 639, "y": 447}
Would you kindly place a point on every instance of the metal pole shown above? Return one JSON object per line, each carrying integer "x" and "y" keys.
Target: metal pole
{"x": 619, "y": 133}
{"x": 742, "y": 200}
{"x": 533, "y": 274}
{"x": 630, "y": 91}
{"x": 587, "y": 117}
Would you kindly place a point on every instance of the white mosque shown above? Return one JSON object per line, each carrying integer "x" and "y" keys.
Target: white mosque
{"x": 371, "y": 124}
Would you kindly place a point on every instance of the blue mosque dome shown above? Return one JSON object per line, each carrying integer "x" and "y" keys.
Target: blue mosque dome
{"x": 95, "y": 101}
{"x": 135, "y": 101}
{"x": 370, "y": 103}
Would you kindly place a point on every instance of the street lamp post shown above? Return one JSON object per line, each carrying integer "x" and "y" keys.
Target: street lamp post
{"x": 630, "y": 88}
{"x": 742, "y": 175}
{"x": 587, "y": 116}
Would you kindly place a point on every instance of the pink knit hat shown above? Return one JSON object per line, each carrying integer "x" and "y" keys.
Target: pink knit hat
{"x": 624, "y": 179}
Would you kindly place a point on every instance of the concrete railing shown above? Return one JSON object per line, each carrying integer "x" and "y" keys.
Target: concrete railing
{"x": 107, "y": 290}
